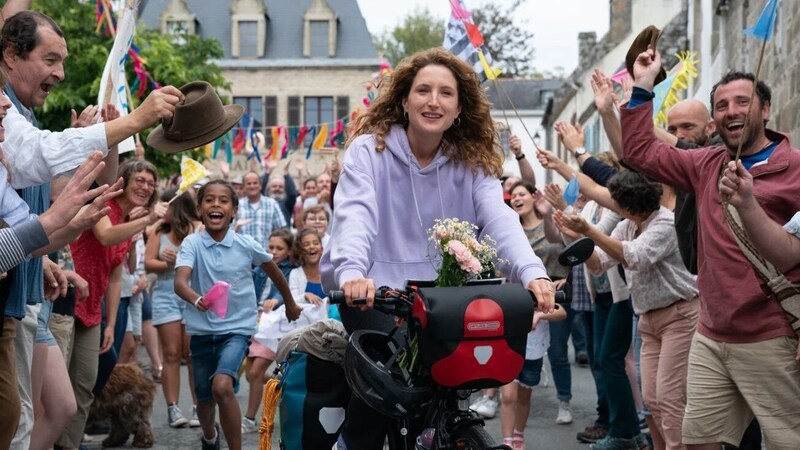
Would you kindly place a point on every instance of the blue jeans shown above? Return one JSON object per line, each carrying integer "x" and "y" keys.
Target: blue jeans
{"x": 595, "y": 332}
{"x": 580, "y": 334}
{"x": 216, "y": 354}
{"x": 623, "y": 420}
{"x": 559, "y": 357}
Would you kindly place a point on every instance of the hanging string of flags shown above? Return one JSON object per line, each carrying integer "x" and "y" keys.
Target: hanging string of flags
{"x": 279, "y": 141}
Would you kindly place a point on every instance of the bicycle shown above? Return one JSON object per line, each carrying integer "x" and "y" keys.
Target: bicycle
{"x": 430, "y": 396}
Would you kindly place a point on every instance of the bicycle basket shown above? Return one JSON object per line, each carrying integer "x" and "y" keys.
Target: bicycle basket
{"x": 385, "y": 388}
{"x": 473, "y": 337}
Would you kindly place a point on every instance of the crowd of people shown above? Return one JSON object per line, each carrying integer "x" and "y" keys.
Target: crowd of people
{"x": 691, "y": 344}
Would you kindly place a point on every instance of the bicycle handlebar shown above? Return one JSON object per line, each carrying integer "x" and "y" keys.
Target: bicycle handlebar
{"x": 337, "y": 297}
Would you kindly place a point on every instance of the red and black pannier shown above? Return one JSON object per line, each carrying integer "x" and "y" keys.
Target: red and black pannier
{"x": 473, "y": 337}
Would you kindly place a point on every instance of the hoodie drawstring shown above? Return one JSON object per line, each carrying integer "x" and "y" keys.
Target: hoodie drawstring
{"x": 439, "y": 185}
{"x": 414, "y": 194}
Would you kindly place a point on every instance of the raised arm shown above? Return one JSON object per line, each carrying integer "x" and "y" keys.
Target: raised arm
{"x": 109, "y": 234}
{"x": 37, "y": 156}
{"x": 605, "y": 100}
{"x": 12, "y": 7}
{"x": 772, "y": 240}
{"x": 641, "y": 149}
{"x": 525, "y": 169}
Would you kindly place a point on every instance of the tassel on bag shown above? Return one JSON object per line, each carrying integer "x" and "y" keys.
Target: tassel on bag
{"x": 272, "y": 395}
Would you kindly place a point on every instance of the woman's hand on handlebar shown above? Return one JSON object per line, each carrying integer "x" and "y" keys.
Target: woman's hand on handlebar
{"x": 359, "y": 288}
{"x": 545, "y": 294}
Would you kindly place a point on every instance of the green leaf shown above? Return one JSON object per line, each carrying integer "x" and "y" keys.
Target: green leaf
{"x": 168, "y": 62}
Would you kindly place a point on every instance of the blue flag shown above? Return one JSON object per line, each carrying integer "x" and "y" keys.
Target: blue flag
{"x": 766, "y": 22}
{"x": 572, "y": 191}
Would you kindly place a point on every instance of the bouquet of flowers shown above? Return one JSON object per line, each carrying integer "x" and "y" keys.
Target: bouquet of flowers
{"x": 464, "y": 258}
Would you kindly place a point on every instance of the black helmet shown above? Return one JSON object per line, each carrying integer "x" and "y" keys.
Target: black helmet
{"x": 388, "y": 390}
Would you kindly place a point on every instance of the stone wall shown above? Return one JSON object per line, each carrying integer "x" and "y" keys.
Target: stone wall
{"x": 781, "y": 64}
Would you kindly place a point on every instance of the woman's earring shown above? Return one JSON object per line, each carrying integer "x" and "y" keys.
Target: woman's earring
{"x": 405, "y": 115}
{"x": 457, "y": 122}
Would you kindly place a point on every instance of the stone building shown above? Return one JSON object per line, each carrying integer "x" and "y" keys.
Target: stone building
{"x": 715, "y": 28}
{"x": 528, "y": 98}
{"x": 290, "y": 63}
{"x": 574, "y": 100}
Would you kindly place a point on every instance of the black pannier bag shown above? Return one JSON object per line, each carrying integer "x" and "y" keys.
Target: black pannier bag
{"x": 473, "y": 337}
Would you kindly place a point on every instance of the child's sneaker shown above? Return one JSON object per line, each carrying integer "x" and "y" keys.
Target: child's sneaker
{"x": 211, "y": 445}
{"x": 564, "y": 413}
{"x": 174, "y": 417}
{"x": 474, "y": 406}
{"x": 194, "y": 422}
{"x": 249, "y": 425}
{"x": 487, "y": 409}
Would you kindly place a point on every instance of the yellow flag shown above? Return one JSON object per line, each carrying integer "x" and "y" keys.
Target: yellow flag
{"x": 491, "y": 72}
{"x": 322, "y": 137}
{"x": 191, "y": 173}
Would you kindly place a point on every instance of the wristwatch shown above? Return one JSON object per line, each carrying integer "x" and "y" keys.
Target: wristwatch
{"x": 520, "y": 157}
{"x": 580, "y": 151}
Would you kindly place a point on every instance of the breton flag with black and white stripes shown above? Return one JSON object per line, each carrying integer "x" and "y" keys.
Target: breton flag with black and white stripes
{"x": 463, "y": 39}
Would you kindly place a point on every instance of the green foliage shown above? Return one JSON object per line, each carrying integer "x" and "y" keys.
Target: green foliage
{"x": 510, "y": 45}
{"x": 418, "y": 31}
{"x": 170, "y": 61}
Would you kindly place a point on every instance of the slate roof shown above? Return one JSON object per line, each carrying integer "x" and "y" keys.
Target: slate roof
{"x": 526, "y": 94}
{"x": 284, "y": 28}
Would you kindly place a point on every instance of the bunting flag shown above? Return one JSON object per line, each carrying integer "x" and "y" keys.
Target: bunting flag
{"x": 766, "y": 22}
{"x": 113, "y": 85}
{"x": 678, "y": 79}
{"x": 285, "y": 147}
{"x": 321, "y": 137}
{"x": 336, "y": 132}
{"x": 301, "y": 135}
{"x": 463, "y": 39}
{"x": 620, "y": 76}
{"x": 257, "y": 141}
{"x": 313, "y": 132}
{"x": 276, "y": 134}
{"x": 238, "y": 141}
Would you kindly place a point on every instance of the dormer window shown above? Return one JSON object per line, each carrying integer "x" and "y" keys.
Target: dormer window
{"x": 319, "y": 30}
{"x": 248, "y": 28}
{"x": 177, "y": 20}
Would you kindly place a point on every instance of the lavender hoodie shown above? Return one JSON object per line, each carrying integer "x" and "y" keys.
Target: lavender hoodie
{"x": 385, "y": 203}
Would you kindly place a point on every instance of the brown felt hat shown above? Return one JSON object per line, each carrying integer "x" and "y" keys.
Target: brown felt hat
{"x": 199, "y": 119}
{"x": 648, "y": 36}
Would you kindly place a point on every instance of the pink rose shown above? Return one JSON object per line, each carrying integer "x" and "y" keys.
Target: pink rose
{"x": 459, "y": 250}
{"x": 471, "y": 265}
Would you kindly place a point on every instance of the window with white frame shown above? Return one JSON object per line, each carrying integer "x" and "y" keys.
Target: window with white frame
{"x": 248, "y": 28}
{"x": 319, "y": 30}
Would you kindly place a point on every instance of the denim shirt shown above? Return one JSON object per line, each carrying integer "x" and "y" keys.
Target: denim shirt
{"x": 28, "y": 284}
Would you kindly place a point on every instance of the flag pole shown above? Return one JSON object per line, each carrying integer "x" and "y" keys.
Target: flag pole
{"x": 514, "y": 108}
{"x": 752, "y": 98}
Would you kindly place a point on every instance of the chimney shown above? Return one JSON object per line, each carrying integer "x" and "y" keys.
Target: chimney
{"x": 586, "y": 44}
{"x": 620, "y": 18}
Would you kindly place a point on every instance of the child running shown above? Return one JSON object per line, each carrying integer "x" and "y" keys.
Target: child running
{"x": 260, "y": 356}
{"x": 219, "y": 344}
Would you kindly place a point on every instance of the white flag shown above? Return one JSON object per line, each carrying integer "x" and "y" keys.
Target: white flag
{"x": 113, "y": 85}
